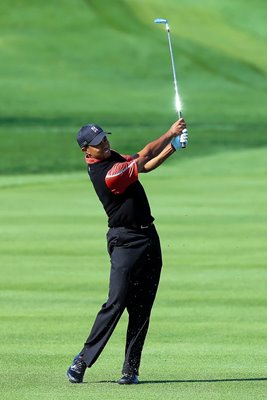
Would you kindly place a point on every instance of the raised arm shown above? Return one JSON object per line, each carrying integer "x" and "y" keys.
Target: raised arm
{"x": 159, "y": 159}
{"x": 154, "y": 153}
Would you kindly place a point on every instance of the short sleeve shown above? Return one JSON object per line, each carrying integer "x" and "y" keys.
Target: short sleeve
{"x": 127, "y": 157}
{"x": 121, "y": 175}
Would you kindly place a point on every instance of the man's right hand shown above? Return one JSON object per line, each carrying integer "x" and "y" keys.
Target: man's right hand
{"x": 178, "y": 127}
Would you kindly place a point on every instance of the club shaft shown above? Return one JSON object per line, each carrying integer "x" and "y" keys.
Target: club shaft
{"x": 173, "y": 66}
{"x": 174, "y": 74}
{"x": 177, "y": 98}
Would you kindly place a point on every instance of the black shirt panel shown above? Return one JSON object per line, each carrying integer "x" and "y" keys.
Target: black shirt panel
{"x": 128, "y": 209}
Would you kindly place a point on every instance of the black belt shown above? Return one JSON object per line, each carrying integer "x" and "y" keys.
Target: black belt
{"x": 134, "y": 226}
{"x": 143, "y": 226}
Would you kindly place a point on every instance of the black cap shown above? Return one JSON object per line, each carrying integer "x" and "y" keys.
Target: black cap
{"x": 90, "y": 135}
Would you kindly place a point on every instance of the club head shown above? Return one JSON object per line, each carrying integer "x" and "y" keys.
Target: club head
{"x": 160, "y": 21}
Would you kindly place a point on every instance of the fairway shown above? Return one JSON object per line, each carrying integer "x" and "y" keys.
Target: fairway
{"x": 73, "y": 62}
{"x": 82, "y": 61}
{"x": 208, "y": 330}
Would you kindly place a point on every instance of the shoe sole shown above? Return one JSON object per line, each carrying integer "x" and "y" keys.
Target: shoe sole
{"x": 128, "y": 383}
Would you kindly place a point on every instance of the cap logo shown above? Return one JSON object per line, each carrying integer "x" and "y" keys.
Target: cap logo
{"x": 94, "y": 128}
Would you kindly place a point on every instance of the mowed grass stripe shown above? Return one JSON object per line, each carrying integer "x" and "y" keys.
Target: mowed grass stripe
{"x": 207, "y": 335}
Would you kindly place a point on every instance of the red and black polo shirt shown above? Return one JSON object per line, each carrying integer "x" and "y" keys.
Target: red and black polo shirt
{"x": 123, "y": 197}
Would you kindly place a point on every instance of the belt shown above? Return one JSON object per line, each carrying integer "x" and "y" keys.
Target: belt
{"x": 135, "y": 226}
{"x": 139, "y": 226}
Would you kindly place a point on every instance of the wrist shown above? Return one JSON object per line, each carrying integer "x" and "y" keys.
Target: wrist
{"x": 175, "y": 143}
{"x": 173, "y": 148}
{"x": 171, "y": 134}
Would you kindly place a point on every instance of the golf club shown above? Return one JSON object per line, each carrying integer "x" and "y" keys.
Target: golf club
{"x": 178, "y": 104}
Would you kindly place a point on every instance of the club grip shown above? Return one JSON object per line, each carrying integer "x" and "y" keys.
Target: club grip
{"x": 183, "y": 144}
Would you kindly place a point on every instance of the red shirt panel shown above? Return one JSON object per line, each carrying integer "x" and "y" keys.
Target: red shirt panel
{"x": 121, "y": 175}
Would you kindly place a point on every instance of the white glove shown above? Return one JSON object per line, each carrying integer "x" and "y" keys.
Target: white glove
{"x": 178, "y": 140}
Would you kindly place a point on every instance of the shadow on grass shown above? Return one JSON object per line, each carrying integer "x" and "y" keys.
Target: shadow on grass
{"x": 207, "y": 380}
{"x": 193, "y": 380}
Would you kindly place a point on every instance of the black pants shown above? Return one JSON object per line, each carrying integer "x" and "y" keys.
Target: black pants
{"x": 135, "y": 272}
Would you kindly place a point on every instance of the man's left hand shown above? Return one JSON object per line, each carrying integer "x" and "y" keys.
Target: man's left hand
{"x": 178, "y": 140}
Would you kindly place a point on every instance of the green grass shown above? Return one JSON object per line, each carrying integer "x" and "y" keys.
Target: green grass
{"x": 71, "y": 62}
{"x": 208, "y": 330}
{"x": 83, "y": 61}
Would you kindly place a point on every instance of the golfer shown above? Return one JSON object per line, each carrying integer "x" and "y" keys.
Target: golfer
{"x": 133, "y": 243}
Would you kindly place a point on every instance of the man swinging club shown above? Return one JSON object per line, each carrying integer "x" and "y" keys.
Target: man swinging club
{"x": 133, "y": 243}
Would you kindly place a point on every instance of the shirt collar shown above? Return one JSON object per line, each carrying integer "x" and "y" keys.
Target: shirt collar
{"x": 91, "y": 160}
